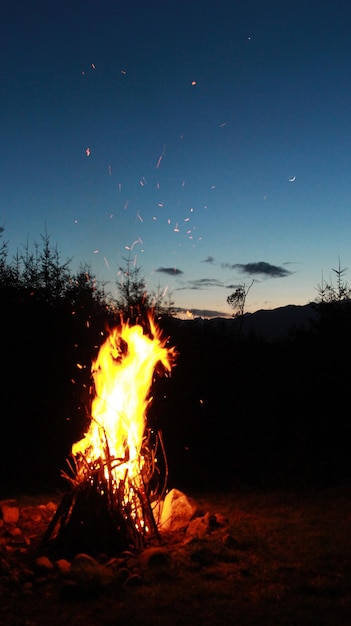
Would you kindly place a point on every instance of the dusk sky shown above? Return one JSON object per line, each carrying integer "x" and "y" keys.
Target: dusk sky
{"x": 209, "y": 140}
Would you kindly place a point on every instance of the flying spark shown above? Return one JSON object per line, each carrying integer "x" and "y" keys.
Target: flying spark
{"x": 87, "y": 152}
{"x": 161, "y": 157}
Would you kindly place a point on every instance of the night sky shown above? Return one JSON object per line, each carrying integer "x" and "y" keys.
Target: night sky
{"x": 209, "y": 141}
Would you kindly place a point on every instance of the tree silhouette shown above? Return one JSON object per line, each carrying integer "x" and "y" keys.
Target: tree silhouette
{"x": 133, "y": 300}
{"x": 238, "y": 298}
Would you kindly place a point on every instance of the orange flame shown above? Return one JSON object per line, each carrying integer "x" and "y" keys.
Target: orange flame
{"x": 123, "y": 374}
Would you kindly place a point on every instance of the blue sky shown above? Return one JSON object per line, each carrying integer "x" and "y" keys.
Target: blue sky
{"x": 208, "y": 140}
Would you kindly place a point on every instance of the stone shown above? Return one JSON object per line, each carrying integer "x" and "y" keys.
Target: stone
{"x": 63, "y": 566}
{"x": 154, "y": 557}
{"x": 9, "y": 511}
{"x": 178, "y": 510}
{"x": 44, "y": 564}
{"x": 198, "y": 528}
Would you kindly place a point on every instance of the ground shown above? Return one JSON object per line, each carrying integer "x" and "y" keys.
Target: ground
{"x": 281, "y": 559}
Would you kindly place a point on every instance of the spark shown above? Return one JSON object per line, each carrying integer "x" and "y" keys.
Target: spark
{"x": 126, "y": 204}
{"x": 87, "y": 152}
{"x": 111, "y": 216}
{"x": 187, "y": 219}
{"x": 110, "y": 170}
{"x": 93, "y": 66}
{"x": 176, "y": 228}
{"x": 143, "y": 181}
{"x": 123, "y": 72}
{"x": 139, "y": 217}
{"x": 161, "y": 157}
{"x": 292, "y": 180}
{"x": 119, "y": 187}
{"x": 223, "y": 124}
{"x": 193, "y": 82}
{"x": 160, "y": 205}
{"x": 96, "y": 251}
{"x": 106, "y": 263}
{"x": 135, "y": 243}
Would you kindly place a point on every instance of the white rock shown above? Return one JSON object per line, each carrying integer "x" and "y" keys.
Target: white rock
{"x": 178, "y": 510}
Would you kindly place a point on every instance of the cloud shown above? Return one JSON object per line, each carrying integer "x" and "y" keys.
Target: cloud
{"x": 202, "y": 283}
{"x": 173, "y": 271}
{"x": 209, "y": 259}
{"x": 208, "y": 313}
{"x": 260, "y": 268}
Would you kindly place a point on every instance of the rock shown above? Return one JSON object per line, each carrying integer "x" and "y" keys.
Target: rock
{"x": 63, "y": 566}
{"x": 154, "y": 557}
{"x": 178, "y": 510}
{"x": 230, "y": 542}
{"x": 84, "y": 561}
{"x": 134, "y": 580}
{"x": 9, "y": 511}
{"x": 198, "y": 528}
{"x": 43, "y": 563}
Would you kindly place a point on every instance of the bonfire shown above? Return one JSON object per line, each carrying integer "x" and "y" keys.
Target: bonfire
{"x": 113, "y": 471}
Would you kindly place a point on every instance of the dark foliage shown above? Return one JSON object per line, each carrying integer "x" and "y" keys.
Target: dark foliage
{"x": 51, "y": 328}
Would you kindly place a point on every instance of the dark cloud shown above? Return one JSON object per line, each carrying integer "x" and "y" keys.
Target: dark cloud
{"x": 260, "y": 268}
{"x": 208, "y": 313}
{"x": 209, "y": 259}
{"x": 169, "y": 270}
{"x": 235, "y": 286}
{"x": 202, "y": 283}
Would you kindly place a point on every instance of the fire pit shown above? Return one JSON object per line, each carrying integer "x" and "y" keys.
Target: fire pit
{"x": 112, "y": 469}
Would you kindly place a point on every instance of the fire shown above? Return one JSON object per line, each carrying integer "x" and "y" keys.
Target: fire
{"x": 123, "y": 374}
{"x": 111, "y": 505}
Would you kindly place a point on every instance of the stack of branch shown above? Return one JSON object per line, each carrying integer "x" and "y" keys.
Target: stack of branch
{"x": 101, "y": 515}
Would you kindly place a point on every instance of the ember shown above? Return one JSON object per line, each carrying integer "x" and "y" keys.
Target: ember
{"x": 110, "y": 506}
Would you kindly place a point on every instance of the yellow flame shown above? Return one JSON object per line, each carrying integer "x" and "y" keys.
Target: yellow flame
{"x": 123, "y": 373}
